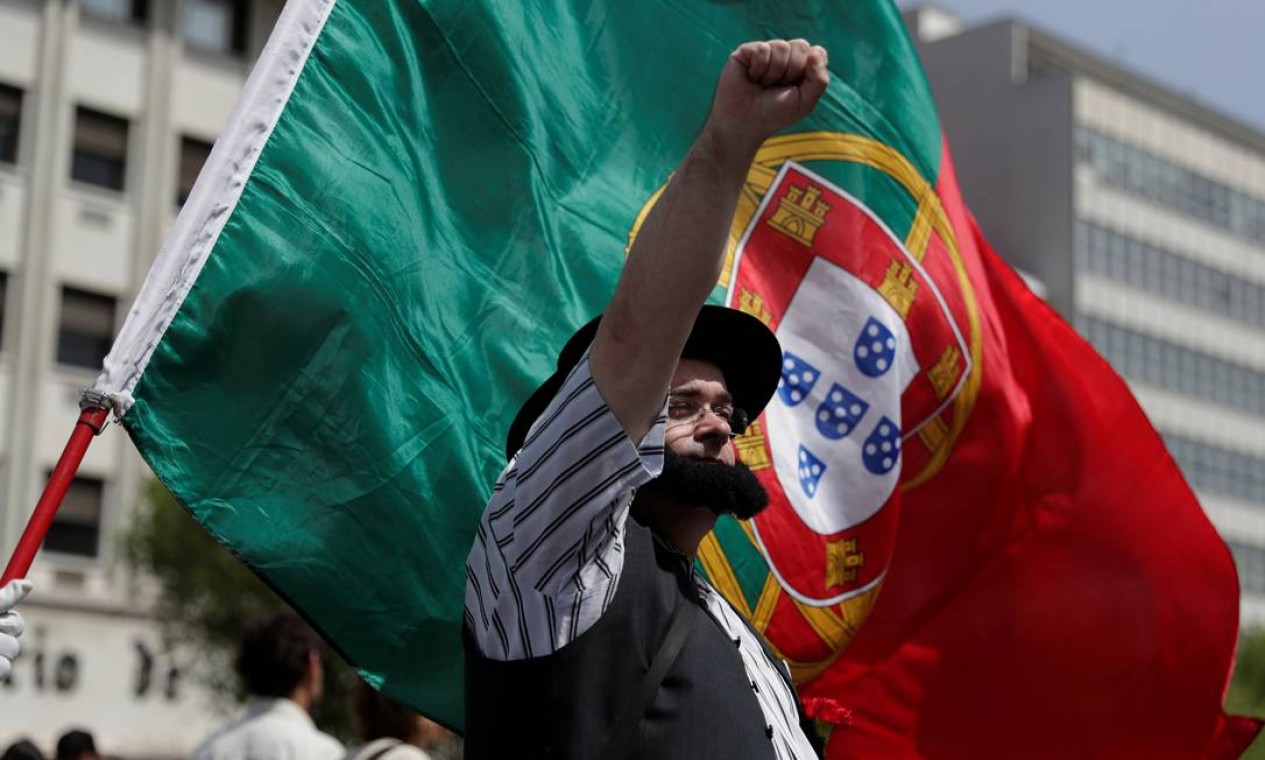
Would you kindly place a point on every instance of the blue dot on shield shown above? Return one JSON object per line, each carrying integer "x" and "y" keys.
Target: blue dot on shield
{"x": 881, "y": 450}
{"x": 875, "y": 349}
{"x": 798, "y": 379}
{"x": 810, "y": 471}
{"x": 839, "y": 412}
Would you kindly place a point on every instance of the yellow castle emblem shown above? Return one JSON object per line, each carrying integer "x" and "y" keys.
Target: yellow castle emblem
{"x": 800, "y": 214}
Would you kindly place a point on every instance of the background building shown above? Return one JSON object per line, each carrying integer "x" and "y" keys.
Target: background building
{"x": 107, "y": 111}
{"x": 1143, "y": 214}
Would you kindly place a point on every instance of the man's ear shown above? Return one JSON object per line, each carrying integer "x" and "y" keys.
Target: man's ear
{"x": 315, "y": 672}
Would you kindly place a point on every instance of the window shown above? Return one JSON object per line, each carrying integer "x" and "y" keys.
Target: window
{"x": 1135, "y": 171}
{"x": 100, "y": 156}
{"x": 10, "y": 118}
{"x": 77, "y": 527}
{"x": 4, "y": 291}
{"x": 1214, "y": 469}
{"x": 1172, "y": 275}
{"x": 1251, "y": 564}
{"x": 216, "y": 25}
{"x": 117, "y": 10}
{"x": 1152, "y": 360}
{"x": 86, "y": 329}
{"x": 193, "y": 154}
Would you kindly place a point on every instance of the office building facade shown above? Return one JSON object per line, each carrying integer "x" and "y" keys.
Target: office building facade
{"x": 1142, "y": 213}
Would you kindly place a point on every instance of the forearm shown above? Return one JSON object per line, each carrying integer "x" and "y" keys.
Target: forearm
{"x": 677, "y": 257}
{"x": 673, "y": 266}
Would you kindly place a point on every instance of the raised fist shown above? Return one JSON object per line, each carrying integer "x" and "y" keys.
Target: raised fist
{"x": 766, "y": 87}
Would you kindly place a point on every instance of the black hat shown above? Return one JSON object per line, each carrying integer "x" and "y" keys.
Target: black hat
{"x": 741, "y": 346}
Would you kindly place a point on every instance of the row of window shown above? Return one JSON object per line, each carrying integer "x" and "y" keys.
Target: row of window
{"x": 1250, "y": 561}
{"x": 215, "y": 25}
{"x": 77, "y": 527}
{"x": 1218, "y": 470}
{"x": 99, "y": 153}
{"x": 85, "y": 326}
{"x": 1147, "y": 358}
{"x": 1135, "y": 171}
{"x": 1168, "y": 274}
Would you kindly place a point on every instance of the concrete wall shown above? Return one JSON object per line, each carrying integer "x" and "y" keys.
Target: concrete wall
{"x": 110, "y": 674}
{"x": 1010, "y": 137}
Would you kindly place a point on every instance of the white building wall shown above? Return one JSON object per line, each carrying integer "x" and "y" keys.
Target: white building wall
{"x": 203, "y": 95}
{"x": 19, "y": 37}
{"x": 92, "y": 239}
{"x": 108, "y": 672}
{"x": 107, "y": 68}
{"x": 12, "y": 210}
{"x": 1179, "y": 414}
{"x": 1159, "y": 133}
{"x": 56, "y": 232}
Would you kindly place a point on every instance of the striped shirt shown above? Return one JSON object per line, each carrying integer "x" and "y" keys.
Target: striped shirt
{"x": 550, "y": 547}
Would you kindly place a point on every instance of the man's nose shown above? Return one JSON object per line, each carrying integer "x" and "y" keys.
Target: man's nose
{"x": 712, "y": 425}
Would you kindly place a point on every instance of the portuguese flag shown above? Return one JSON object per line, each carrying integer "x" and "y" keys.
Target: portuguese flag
{"x": 977, "y": 545}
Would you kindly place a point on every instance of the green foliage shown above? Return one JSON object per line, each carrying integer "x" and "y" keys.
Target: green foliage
{"x": 206, "y": 598}
{"x": 1247, "y": 689}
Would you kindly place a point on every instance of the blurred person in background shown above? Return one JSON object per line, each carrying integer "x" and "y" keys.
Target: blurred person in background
{"x": 77, "y": 744}
{"x": 389, "y": 730}
{"x": 280, "y": 667}
{"x": 22, "y": 749}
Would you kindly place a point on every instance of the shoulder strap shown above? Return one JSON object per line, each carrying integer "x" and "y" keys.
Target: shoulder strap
{"x": 679, "y": 628}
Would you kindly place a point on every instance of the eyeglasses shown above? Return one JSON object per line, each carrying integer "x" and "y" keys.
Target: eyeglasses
{"x": 683, "y": 410}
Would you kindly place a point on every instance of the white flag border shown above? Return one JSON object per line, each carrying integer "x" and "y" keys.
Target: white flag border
{"x": 214, "y": 196}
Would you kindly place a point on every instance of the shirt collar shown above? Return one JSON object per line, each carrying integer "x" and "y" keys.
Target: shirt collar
{"x": 279, "y": 706}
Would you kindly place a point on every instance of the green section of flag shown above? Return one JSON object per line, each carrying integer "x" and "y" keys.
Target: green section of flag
{"x": 445, "y": 197}
{"x": 744, "y": 559}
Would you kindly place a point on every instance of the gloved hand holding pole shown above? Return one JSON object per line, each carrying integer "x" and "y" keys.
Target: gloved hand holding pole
{"x": 11, "y": 623}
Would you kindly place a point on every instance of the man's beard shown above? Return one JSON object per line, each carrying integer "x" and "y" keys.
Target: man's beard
{"x": 724, "y": 489}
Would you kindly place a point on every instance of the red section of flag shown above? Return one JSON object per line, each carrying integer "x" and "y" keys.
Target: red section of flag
{"x": 1056, "y": 590}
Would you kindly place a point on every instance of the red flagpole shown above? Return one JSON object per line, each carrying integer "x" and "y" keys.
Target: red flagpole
{"x": 92, "y": 418}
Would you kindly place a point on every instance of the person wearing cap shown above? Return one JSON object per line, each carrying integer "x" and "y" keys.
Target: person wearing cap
{"x": 587, "y": 632}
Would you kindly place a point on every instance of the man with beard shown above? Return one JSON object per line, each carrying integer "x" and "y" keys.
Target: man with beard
{"x": 588, "y": 634}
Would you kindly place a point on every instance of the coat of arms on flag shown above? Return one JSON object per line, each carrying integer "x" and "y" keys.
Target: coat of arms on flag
{"x": 880, "y": 364}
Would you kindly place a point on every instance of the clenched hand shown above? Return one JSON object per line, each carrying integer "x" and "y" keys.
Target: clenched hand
{"x": 766, "y": 87}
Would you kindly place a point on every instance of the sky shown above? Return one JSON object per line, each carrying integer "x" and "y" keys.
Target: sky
{"x": 1209, "y": 50}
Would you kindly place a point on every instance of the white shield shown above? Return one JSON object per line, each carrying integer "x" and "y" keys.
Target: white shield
{"x": 834, "y": 426}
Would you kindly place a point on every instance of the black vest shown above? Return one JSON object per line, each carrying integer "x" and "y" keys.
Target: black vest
{"x": 563, "y": 705}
